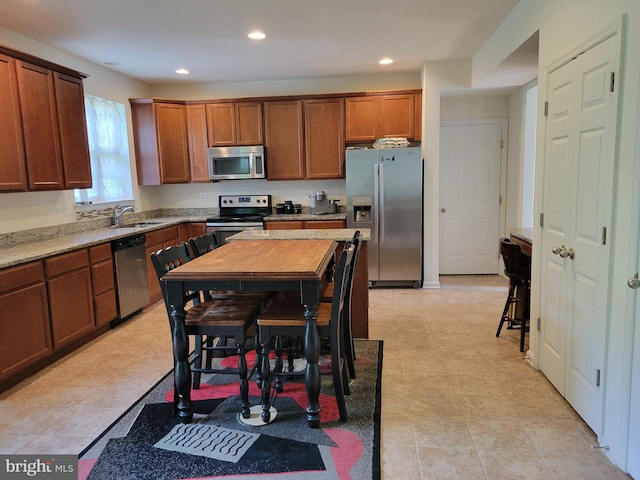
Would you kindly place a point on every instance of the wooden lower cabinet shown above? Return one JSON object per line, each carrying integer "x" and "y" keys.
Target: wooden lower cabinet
{"x": 190, "y": 230}
{"x": 289, "y": 225}
{"x": 303, "y": 224}
{"x": 105, "y": 307}
{"x": 25, "y": 332}
{"x": 70, "y": 297}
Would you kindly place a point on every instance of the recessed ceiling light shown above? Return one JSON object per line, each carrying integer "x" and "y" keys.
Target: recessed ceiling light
{"x": 386, "y": 61}
{"x": 256, "y": 35}
{"x": 182, "y": 71}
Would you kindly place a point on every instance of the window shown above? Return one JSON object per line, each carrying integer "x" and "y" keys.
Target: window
{"x": 109, "y": 151}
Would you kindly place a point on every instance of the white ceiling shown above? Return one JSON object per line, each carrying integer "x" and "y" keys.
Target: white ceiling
{"x": 149, "y": 39}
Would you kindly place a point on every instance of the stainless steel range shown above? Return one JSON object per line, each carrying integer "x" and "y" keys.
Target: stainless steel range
{"x": 238, "y": 213}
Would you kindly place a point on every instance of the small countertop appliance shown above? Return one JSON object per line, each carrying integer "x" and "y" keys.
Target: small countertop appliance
{"x": 320, "y": 204}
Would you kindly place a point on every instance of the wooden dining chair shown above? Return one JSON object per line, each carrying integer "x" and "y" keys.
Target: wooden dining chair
{"x": 285, "y": 317}
{"x": 327, "y": 297}
{"x": 202, "y": 244}
{"x": 224, "y": 317}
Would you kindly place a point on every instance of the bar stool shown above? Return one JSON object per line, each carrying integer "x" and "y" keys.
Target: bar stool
{"x": 517, "y": 267}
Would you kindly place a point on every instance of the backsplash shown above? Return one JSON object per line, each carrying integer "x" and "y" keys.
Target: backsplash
{"x": 93, "y": 219}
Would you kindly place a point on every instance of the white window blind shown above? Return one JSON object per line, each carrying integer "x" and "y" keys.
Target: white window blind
{"x": 109, "y": 151}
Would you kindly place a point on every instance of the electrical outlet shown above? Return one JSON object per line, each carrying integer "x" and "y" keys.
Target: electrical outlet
{"x": 203, "y": 197}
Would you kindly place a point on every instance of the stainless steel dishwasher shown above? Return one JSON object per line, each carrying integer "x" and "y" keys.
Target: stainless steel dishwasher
{"x": 132, "y": 282}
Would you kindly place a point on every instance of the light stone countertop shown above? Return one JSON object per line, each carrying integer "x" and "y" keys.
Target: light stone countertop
{"x": 68, "y": 242}
{"x": 338, "y": 234}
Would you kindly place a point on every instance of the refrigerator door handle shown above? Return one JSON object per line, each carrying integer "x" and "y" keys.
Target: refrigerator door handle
{"x": 376, "y": 203}
{"x": 381, "y": 204}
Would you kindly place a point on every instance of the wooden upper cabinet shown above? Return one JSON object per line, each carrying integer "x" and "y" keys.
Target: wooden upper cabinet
{"x": 238, "y": 123}
{"x": 173, "y": 151}
{"x": 377, "y": 116}
{"x": 73, "y": 131}
{"x": 361, "y": 118}
{"x": 161, "y": 145}
{"x": 43, "y": 137}
{"x": 249, "y": 123}
{"x": 198, "y": 143}
{"x": 40, "y": 127}
{"x": 324, "y": 138}
{"x": 221, "y": 124}
{"x": 284, "y": 140}
{"x": 397, "y": 116}
{"x": 13, "y": 172}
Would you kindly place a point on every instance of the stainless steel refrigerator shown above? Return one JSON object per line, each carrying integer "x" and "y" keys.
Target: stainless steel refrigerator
{"x": 384, "y": 194}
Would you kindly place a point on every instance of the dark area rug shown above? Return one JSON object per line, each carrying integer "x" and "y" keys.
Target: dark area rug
{"x": 148, "y": 442}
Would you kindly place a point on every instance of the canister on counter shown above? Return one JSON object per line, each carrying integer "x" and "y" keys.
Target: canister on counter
{"x": 288, "y": 207}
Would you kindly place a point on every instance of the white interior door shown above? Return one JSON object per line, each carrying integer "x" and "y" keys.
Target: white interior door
{"x": 470, "y": 158}
{"x": 577, "y": 207}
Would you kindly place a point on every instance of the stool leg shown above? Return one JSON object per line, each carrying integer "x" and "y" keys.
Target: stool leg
{"x": 505, "y": 317}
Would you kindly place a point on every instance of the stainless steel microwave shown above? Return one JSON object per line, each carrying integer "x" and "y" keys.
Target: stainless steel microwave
{"x": 236, "y": 163}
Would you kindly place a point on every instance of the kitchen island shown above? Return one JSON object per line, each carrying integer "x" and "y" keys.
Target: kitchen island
{"x": 360, "y": 295}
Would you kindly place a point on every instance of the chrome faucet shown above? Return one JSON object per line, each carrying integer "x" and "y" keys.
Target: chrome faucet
{"x": 118, "y": 211}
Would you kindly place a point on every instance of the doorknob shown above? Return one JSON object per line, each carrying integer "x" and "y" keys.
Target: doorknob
{"x": 563, "y": 252}
{"x": 633, "y": 282}
{"x": 443, "y": 209}
{"x": 568, "y": 253}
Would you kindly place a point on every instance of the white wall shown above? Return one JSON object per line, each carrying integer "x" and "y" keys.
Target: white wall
{"x": 564, "y": 25}
{"x": 203, "y": 91}
{"x": 474, "y": 107}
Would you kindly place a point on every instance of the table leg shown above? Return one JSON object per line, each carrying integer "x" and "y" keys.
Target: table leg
{"x": 182, "y": 370}
{"x": 312, "y": 374}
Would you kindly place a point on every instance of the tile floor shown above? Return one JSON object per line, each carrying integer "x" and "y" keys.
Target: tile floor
{"x": 481, "y": 413}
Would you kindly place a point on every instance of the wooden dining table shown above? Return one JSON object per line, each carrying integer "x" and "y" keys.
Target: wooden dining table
{"x": 258, "y": 265}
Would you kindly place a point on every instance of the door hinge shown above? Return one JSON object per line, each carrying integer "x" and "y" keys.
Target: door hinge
{"x": 597, "y": 377}
{"x": 546, "y": 109}
{"x": 538, "y": 323}
{"x": 604, "y": 235}
{"x": 501, "y": 144}
{"x": 500, "y": 200}
{"x": 612, "y": 86}
{"x": 542, "y": 219}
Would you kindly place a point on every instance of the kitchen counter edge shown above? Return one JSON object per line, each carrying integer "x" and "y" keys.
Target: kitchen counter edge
{"x": 29, "y": 252}
{"x": 338, "y": 234}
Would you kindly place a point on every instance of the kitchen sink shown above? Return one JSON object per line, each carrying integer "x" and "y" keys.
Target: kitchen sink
{"x": 137, "y": 225}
